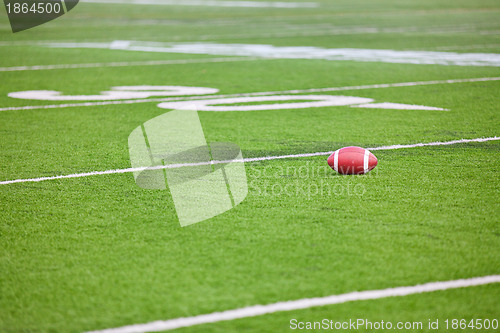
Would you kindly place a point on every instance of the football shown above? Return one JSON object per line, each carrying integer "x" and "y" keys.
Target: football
{"x": 352, "y": 161}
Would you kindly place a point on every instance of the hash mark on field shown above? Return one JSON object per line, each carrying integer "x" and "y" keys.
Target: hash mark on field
{"x": 150, "y": 100}
{"x": 129, "y": 63}
{"x": 305, "y": 303}
{"x": 244, "y": 160}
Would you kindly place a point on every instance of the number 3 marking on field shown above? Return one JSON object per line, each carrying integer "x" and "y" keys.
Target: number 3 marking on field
{"x": 116, "y": 93}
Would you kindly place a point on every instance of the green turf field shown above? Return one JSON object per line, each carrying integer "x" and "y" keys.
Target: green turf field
{"x": 96, "y": 252}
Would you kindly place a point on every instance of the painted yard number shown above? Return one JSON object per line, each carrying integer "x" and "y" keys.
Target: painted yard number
{"x": 274, "y": 102}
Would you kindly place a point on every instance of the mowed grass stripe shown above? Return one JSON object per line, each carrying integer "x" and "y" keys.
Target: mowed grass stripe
{"x": 129, "y": 63}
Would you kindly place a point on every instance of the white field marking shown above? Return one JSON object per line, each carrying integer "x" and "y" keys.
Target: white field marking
{"x": 296, "y": 91}
{"x": 490, "y": 32}
{"x": 244, "y": 160}
{"x": 397, "y": 106}
{"x": 300, "y": 304}
{"x": 294, "y": 31}
{"x": 116, "y": 93}
{"x": 214, "y": 104}
{"x": 212, "y": 3}
{"x": 320, "y": 29}
{"x": 334, "y": 32}
{"x": 283, "y": 30}
{"x": 129, "y": 63}
{"x": 319, "y": 101}
{"x": 303, "y": 52}
{"x": 30, "y": 42}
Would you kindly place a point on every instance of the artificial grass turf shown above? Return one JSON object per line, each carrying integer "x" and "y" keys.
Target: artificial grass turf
{"x": 308, "y": 245}
{"x": 99, "y": 252}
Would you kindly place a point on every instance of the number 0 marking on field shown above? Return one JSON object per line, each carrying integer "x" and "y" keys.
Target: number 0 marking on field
{"x": 315, "y": 101}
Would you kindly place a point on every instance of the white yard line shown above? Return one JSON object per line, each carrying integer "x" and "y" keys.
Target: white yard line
{"x": 245, "y": 160}
{"x": 212, "y": 3}
{"x": 334, "y": 31}
{"x": 301, "y": 52}
{"x": 267, "y": 93}
{"x": 490, "y": 32}
{"x": 32, "y": 42}
{"x": 128, "y": 63}
{"x": 279, "y": 28}
{"x": 305, "y": 303}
